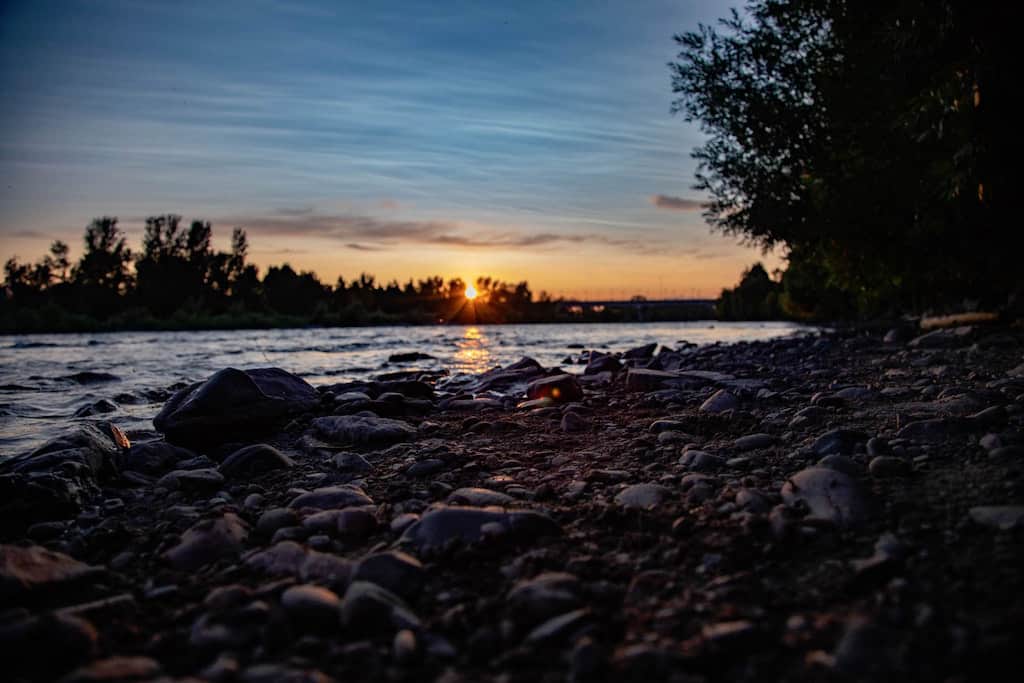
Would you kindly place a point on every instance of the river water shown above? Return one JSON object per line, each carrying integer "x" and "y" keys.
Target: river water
{"x": 45, "y": 380}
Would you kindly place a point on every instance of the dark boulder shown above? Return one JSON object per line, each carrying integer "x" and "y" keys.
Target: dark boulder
{"x": 233, "y": 404}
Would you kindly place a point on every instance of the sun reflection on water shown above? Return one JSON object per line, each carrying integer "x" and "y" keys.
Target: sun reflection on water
{"x": 474, "y": 353}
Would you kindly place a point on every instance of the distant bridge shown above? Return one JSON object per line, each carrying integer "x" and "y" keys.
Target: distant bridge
{"x": 640, "y": 309}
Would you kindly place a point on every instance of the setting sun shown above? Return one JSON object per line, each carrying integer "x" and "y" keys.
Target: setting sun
{"x": 471, "y": 292}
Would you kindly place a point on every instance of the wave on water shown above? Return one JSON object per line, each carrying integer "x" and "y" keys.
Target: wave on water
{"x": 34, "y": 345}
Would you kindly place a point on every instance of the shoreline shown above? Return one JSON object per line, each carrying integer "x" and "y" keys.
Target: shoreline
{"x": 816, "y": 507}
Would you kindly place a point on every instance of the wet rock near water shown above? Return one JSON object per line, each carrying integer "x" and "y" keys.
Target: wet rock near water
{"x": 801, "y": 509}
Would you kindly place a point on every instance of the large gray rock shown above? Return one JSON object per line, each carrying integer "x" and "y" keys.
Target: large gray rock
{"x": 363, "y": 430}
{"x": 830, "y": 495}
{"x": 233, "y": 404}
{"x": 443, "y": 525}
{"x": 396, "y": 571}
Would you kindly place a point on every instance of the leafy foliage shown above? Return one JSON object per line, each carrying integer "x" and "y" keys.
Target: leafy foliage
{"x": 872, "y": 142}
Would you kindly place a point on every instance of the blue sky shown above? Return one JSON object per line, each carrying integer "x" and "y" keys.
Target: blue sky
{"x": 521, "y": 140}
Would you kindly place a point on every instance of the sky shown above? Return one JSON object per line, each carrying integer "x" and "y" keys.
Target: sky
{"x": 521, "y": 140}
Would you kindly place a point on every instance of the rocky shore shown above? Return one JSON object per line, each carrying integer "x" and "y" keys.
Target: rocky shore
{"x": 845, "y": 506}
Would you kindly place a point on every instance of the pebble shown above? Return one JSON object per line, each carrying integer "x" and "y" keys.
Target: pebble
{"x": 1004, "y": 517}
{"x": 254, "y": 460}
{"x": 312, "y": 606}
{"x": 754, "y": 441}
{"x": 398, "y": 572}
{"x": 830, "y": 495}
{"x": 442, "y": 525}
{"x": 888, "y": 466}
{"x": 721, "y": 401}
{"x": 330, "y": 497}
{"x": 372, "y": 608}
{"x": 642, "y": 496}
{"x": 209, "y": 540}
{"x": 26, "y": 572}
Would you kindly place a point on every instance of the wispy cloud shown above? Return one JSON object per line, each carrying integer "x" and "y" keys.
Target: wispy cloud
{"x": 367, "y": 233}
{"x": 664, "y": 201}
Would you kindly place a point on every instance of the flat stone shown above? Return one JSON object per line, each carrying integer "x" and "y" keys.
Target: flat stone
{"x": 479, "y": 497}
{"x": 363, "y": 430}
{"x": 830, "y": 495}
{"x": 331, "y": 497}
{"x": 642, "y": 496}
{"x": 209, "y": 540}
{"x": 1004, "y": 517}
{"x": 644, "y": 380}
{"x": 754, "y": 441}
{"x": 115, "y": 669}
{"x": 935, "y": 430}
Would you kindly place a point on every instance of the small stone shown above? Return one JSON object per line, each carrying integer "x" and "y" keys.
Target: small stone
{"x": 371, "y": 608}
{"x": 404, "y": 646}
{"x": 443, "y": 525}
{"x": 720, "y": 402}
{"x": 701, "y": 461}
{"x": 332, "y": 497}
{"x": 883, "y": 466}
{"x": 642, "y": 496}
{"x": 274, "y": 519}
{"x": 479, "y": 497}
{"x": 26, "y": 572}
{"x": 398, "y": 572}
{"x": 115, "y": 669}
{"x": 561, "y": 388}
{"x": 838, "y": 442}
{"x": 1004, "y": 517}
{"x": 573, "y": 423}
{"x": 254, "y": 460}
{"x": 754, "y": 441}
{"x": 204, "y": 480}
{"x": 311, "y": 605}
{"x": 829, "y": 495}
{"x": 543, "y": 597}
{"x": 644, "y": 380}
{"x": 208, "y": 541}
{"x": 346, "y": 461}
{"x": 356, "y": 522}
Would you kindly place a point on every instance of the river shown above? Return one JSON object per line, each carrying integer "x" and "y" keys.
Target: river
{"x": 48, "y": 382}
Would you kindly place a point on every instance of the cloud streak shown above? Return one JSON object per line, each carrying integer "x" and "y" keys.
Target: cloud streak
{"x": 670, "y": 203}
{"x": 367, "y": 233}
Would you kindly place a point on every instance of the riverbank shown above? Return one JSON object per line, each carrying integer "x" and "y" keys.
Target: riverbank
{"x": 828, "y": 507}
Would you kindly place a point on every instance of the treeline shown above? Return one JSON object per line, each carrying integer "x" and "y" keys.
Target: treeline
{"x": 178, "y": 281}
{"x": 877, "y": 145}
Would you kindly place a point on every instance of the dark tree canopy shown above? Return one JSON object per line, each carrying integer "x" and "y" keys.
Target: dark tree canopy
{"x": 872, "y": 139}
